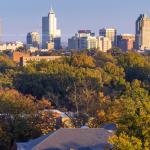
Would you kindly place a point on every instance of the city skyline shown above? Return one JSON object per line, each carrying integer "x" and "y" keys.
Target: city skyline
{"x": 19, "y": 18}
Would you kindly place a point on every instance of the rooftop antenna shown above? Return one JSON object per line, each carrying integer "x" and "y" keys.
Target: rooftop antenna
{"x": 51, "y": 8}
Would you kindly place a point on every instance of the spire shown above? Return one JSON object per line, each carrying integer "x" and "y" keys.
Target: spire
{"x": 51, "y": 10}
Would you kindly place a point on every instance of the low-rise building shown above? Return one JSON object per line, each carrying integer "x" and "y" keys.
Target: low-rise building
{"x": 12, "y": 46}
{"x": 17, "y": 55}
{"x": 25, "y": 59}
{"x": 71, "y": 139}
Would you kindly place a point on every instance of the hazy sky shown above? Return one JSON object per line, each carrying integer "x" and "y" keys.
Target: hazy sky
{"x": 21, "y": 16}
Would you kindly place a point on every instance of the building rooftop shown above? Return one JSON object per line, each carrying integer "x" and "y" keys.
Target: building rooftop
{"x": 84, "y": 31}
{"x": 66, "y": 139}
{"x": 108, "y": 29}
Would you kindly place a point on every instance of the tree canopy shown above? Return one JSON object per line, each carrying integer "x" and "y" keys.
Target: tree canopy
{"x": 98, "y": 88}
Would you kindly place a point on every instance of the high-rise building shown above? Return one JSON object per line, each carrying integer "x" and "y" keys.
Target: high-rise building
{"x": 50, "y": 33}
{"x": 84, "y": 39}
{"x": 126, "y": 41}
{"x": 143, "y": 32}
{"x": 109, "y": 33}
{"x": 73, "y": 43}
{"x": 33, "y": 39}
{"x": 103, "y": 43}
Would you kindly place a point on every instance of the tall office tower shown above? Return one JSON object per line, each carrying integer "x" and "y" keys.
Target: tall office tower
{"x": 143, "y": 32}
{"x": 109, "y": 33}
{"x": 33, "y": 39}
{"x": 50, "y": 33}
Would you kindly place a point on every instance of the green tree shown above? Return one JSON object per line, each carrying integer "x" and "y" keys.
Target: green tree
{"x": 124, "y": 142}
{"x": 6, "y": 63}
{"x": 82, "y": 60}
{"x": 102, "y": 58}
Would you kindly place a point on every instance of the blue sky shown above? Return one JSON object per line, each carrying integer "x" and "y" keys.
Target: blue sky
{"x": 21, "y": 16}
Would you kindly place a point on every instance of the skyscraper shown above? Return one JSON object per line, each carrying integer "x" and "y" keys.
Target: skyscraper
{"x": 109, "y": 33}
{"x": 33, "y": 39}
{"x": 143, "y": 32}
{"x": 50, "y": 33}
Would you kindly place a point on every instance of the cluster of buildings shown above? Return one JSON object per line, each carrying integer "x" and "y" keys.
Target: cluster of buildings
{"x": 51, "y": 35}
{"x": 108, "y": 38}
{"x": 85, "y": 39}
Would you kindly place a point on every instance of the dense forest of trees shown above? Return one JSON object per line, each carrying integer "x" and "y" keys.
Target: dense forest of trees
{"x": 98, "y": 87}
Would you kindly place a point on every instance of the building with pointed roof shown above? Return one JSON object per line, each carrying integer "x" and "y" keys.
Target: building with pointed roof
{"x": 50, "y": 31}
{"x": 143, "y": 32}
{"x": 71, "y": 139}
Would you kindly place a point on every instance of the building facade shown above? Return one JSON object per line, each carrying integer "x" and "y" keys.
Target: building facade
{"x": 109, "y": 33}
{"x": 33, "y": 39}
{"x": 143, "y": 32}
{"x": 26, "y": 59}
{"x": 17, "y": 55}
{"x": 50, "y": 33}
{"x": 103, "y": 43}
{"x": 73, "y": 43}
{"x": 126, "y": 42}
{"x": 84, "y": 39}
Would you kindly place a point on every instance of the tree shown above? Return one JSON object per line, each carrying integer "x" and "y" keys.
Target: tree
{"x": 5, "y": 138}
{"x": 135, "y": 117}
{"x": 124, "y": 142}
{"x": 82, "y": 60}
{"x": 136, "y": 66}
{"x": 21, "y": 116}
{"x": 130, "y": 60}
{"x": 102, "y": 58}
{"x": 6, "y": 63}
{"x": 7, "y": 71}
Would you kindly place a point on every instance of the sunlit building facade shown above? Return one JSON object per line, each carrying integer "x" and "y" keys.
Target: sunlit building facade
{"x": 143, "y": 32}
{"x": 33, "y": 39}
{"x": 109, "y": 33}
{"x": 103, "y": 43}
